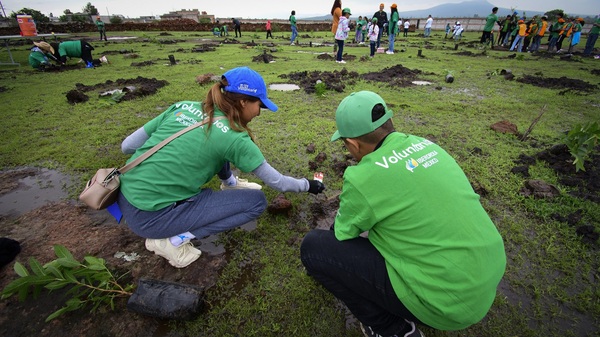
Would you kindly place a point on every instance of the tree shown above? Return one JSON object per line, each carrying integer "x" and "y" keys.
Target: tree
{"x": 36, "y": 15}
{"x": 116, "y": 19}
{"x": 67, "y": 12}
{"x": 90, "y": 9}
{"x": 555, "y": 13}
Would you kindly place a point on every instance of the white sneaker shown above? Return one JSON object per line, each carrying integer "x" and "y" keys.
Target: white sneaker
{"x": 241, "y": 184}
{"x": 179, "y": 257}
{"x": 342, "y": 61}
{"x": 389, "y": 52}
{"x": 292, "y": 44}
{"x": 103, "y": 59}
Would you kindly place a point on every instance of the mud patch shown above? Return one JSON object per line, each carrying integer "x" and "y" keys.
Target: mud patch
{"x": 203, "y": 48}
{"x": 143, "y": 64}
{"x": 137, "y": 87}
{"x": 558, "y": 83}
{"x": 265, "y": 58}
{"x": 395, "y": 76}
{"x": 583, "y": 184}
{"x": 334, "y": 80}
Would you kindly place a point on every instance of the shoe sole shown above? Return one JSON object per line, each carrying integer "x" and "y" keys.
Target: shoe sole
{"x": 176, "y": 265}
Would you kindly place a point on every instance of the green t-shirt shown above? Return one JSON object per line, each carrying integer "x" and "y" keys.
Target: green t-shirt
{"x": 37, "y": 58}
{"x": 596, "y": 29}
{"x": 293, "y": 20}
{"x": 178, "y": 170}
{"x": 100, "y": 25}
{"x": 70, "y": 49}
{"x": 490, "y": 20}
{"x": 444, "y": 256}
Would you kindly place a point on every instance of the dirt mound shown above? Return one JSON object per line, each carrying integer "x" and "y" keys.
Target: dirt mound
{"x": 136, "y": 87}
{"x": 264, "y": 57}
{"x": 333, "y": 80}
{"x": 142, "y": 64}
{"x": 558, "y": 83}
{"x": 583, "y": 184}
{"x": 396, "y": 76}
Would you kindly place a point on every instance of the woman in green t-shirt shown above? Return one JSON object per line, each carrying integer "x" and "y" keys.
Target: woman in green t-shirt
{"x": 162, "y": 198}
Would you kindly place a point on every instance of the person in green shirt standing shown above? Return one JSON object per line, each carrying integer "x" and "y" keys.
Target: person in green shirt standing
{"x": 101, "y": 28}
{"x": 592, "y": 37}
{"x": 411, "y": 243}
{"x": 294, "y": 27}
{"x": 490, "y": 21}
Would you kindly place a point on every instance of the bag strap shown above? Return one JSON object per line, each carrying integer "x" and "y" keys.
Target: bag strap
{"x": 158, "y": 146}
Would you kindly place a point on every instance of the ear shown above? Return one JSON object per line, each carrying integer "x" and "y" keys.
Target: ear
{"x": 353, "y": 145}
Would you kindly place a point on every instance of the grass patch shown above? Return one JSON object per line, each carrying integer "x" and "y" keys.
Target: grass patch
{"x": 551, "y": 282}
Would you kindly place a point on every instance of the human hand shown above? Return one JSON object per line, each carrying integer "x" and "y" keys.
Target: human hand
{"x": 315, "y": 187}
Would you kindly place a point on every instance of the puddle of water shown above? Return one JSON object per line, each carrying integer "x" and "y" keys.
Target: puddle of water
{"x": 122, "y": 37}
{"x": 421, "y": 82}
{"x": 35, "y": 191}
{"x": 284, "y": 87}
{"x": 209, "y": 244}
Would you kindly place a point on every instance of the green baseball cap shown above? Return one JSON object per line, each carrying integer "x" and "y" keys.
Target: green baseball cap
{"x": 353, "y": 115}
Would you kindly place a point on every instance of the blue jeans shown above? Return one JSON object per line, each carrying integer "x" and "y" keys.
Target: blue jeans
{"x": 340, "y": 52}
{"x": 294, "y": 33}
{"x": 518, "y": 40}
{"x": 391, "y": 41}
{"x": 379, "y": 36}
{"x": 427, "y": 32}
{"x": 206, "y": 213}
{"x": 355, "y": 272}
{"x": 589, "y": 45}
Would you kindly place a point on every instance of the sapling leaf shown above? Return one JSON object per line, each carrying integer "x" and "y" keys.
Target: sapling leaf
{"x": 20, "y": 269}
{"x": 36, "y": 267}
{"x": 62, "y": 252}
{"x": 68, "y": 262}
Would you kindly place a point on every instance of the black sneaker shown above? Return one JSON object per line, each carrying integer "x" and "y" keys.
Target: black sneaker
{"x": 414, "y": 332}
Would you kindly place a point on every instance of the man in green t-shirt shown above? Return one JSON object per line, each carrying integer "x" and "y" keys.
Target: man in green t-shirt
{"x": 592, "y": 37}
{"x": 101, "y": 28}
{"x": 490, "y": 21}
{"x": 431, "y": 256}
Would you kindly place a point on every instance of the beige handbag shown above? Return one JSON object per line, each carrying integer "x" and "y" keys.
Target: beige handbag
{"x": 103, "y": 189}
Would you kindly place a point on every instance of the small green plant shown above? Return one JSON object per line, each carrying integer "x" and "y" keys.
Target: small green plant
{"x": 91, "y": 282}
{"x": 581, "y": 141}
{"x": 320, "y": 89}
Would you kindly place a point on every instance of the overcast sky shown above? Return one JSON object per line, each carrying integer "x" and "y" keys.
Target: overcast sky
{"x": 275, "y": 9}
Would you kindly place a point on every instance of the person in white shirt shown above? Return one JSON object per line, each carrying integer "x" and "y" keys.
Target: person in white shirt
{"x": 428, "y": 25}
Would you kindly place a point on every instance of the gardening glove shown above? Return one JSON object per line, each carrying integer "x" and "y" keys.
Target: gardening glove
{"x": 315, "y": 187}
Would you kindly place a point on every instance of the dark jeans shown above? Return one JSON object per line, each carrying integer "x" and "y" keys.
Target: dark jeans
{"x": 589, "y": 45}
{"x": 269, "y": 34}
{"x": 355, "y": 272}
{"x": 487, "y": 37}
{"x": 373, "y": 45}
{"x": 103, "y": 33}
{"x": 238, "y": 29}
{"x": 379, "y": 36}
{"x": 340, "y": 51}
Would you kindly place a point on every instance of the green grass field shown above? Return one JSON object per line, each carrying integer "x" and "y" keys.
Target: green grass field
{"x": 551, "y": 285}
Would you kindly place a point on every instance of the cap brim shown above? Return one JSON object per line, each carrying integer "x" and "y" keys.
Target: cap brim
{"x": 268, "y": 104}
{"x": 336, "y": 136}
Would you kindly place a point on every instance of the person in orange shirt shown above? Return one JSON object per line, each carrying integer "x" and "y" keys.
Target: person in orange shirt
{"x": 520, "y": 36}
{"x": 336, "y": 13}
{"x": 537, "y": 39}
{"x": 564, "y": 34}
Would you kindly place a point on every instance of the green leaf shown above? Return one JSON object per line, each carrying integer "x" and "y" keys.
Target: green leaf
{"x": 56, "y": 284}
{"x": 68, "y": 262}
{"x": 62, "y": 252}
{"x": 20, "y": 269}
{"x": 91, "y": 260}
{"x": 54, "y": 270}
{"x": 14, "y": 286}
{"x": 56, "y": 314}
{"x": 36, "y": 267}
{"x": 69, "y": 276}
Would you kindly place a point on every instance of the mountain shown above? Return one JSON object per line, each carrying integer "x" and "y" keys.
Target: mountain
{"x": 472, "y": 8}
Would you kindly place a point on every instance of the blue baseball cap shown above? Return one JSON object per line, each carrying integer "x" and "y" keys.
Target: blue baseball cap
{"x": 243, "y": 80}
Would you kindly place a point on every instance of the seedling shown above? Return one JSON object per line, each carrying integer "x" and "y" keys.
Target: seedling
{"x": 91, "y": 282}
